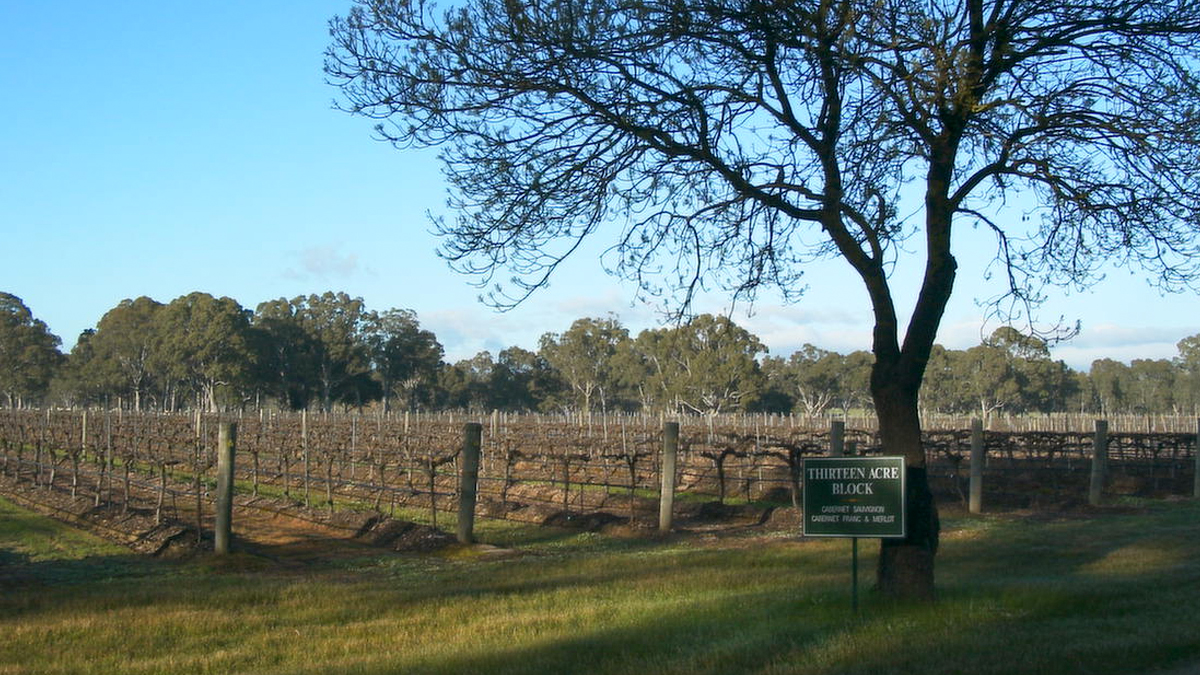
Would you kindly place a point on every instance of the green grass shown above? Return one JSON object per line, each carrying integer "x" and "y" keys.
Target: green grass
{"x": 1111, "y": 593}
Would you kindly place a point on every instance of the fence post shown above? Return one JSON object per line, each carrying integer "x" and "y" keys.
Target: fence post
{"x": 666, "y": 499}
{"x": 977, "y": 454}
{"x": 468, "y": 481}
{"x": 1196, "y": 457}
{"x": 1099, "y": 462}
{"x": 837, "y": 438}
{"x": 226, "y": 446}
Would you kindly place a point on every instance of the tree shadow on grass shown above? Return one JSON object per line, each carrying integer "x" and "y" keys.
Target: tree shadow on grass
{"x": 1017, "y": 599}
{"x": 19, "y": 571}
{"x": 1157, "y": 541}
{"x": 1107, "y": 565}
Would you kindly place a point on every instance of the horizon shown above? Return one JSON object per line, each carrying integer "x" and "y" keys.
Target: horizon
{"x": 66, "y": 346}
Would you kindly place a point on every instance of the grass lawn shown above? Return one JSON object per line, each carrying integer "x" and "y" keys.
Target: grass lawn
{"x": 1114, "y": 592}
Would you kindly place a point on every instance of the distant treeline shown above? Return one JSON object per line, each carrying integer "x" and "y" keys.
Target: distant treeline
{"x": 330, "y": 351}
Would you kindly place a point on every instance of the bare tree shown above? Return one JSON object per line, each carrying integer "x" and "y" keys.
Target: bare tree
{"x": 733, "y": 141}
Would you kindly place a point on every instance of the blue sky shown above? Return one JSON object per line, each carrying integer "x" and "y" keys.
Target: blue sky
{"x": 152, "y": 148}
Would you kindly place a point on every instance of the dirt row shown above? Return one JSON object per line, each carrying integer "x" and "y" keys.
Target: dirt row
{"x": 289, "y": 533}
{"x": 276, "y": 529}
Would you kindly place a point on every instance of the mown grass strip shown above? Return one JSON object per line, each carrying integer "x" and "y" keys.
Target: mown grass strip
{"x": 1109, "y": 592}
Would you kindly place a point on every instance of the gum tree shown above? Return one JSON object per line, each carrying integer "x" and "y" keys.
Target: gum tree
{"x": 729, "y": 142}
{"x": 705, "y": 366}
{"x": 321, "y": 343}
{"x": 583, "y": 357}
{"x": 122, "y": 348}
{"x": 404, "y": 356}
{"x": 203, "y": 343}
{"x": 1187, "y": 379}
{"x": 29, "y": 353}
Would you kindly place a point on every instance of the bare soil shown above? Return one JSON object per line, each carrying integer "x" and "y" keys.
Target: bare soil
{"x": 279, "y": 530}
{"x": 290, "y": 534}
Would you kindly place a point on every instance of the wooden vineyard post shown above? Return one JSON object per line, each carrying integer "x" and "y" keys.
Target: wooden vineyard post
{"x": 837, "y": 438}
{"x": 666, "y": 501}
{"x": 102, "y": 460}
{"x": 977, "y": 454}
{"x": 432, "y": 470}
{"x": 566, "y": 474}
{"x": 81, "y": 453}
{"x": 162, "y": 494}
{"x": 304, "y": 450}
{"x": 1099, "y": 460}
{"x": 226, "y": 445}
{"x": 468, "y": 482}
{"x": 197, "y": 479}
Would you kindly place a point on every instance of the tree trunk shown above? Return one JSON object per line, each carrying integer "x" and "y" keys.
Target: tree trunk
{"x": 906, "y": 565}
{"x": 210, "y": 396}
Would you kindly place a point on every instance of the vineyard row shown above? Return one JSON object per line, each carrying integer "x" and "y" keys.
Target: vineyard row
{"x": 530, "y": 469}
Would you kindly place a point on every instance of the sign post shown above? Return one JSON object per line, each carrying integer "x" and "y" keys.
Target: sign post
{"x": 854, "y": 497}
{"x": 854, "y": 575}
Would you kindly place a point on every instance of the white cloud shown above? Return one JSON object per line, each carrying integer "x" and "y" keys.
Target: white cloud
{"x": 466, "y": 332}
{"x": 1117, "y": 336}
{"x": 782, "y": 328}
{"x": 1100, "y": 341}
{"x": 964, "y": 332}
{"x": 786, "y": 328}
{"x": 598, "y": 305}
{"x": 325, "y": 262}
{"x": 1122, "y": 343}
{"x": 1081, "y": 358}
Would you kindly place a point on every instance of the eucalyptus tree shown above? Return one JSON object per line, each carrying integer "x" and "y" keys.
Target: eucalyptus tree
{"x": 121, "y": 349}
{"x": 815, "y": 378}
{"x": 522, "y": 380}
{"x": 322, "y": 340}
{"x": 845, "y": 377}
{"x": 855, "y": 390}
{"x": 469, "y": 382}
{"x": 1187, "y": 365}
{"x": 992, "y": 376}
{"x": 708, "y": 365}
{"x": 733, "y": 141}
{"x": 584, "y": 357}
{"x": 1017, "y": 345}
{"x": 1051, "y": 386}
{"x": 451, "y": 389}
{"x": 288, "y": 354}
{"x": 777, "y": 395}
{"x": 1044, "y": 384}
{"x": 939, "y": 391}
{"x": 1110, "y": 381}
{"x": 987, "y": 378}
{"x": 29, "y": 353}
{"x": 1081, "y": 393}
{"x": 1008, "y": 371}
{"x": 72, "y": 384}
{"x": 203, "y": 343}
{"x": 819, "y": 379}
{"x": 1151, "y": 386}
{"x": 405, "y": 357}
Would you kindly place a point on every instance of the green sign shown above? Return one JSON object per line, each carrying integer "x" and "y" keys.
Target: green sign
{"x": 854, "y": 497}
